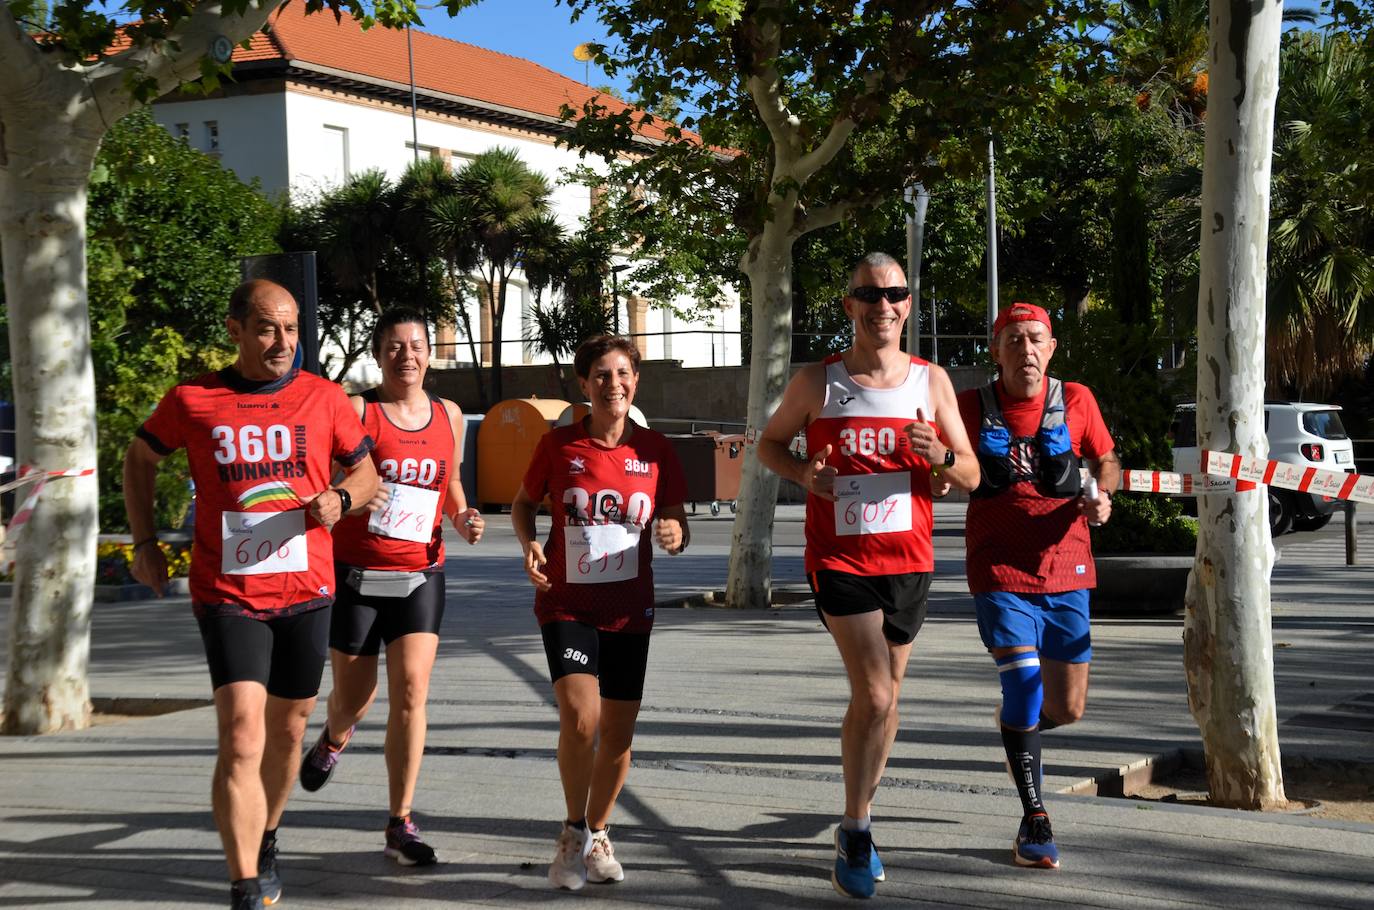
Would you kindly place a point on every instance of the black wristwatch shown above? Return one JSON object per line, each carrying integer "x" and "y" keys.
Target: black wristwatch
{"x": 345, "y": 500}
{"x": 947, "y": 463}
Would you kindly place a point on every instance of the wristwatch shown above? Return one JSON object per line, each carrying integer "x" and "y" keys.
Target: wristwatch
{"x": 947, "y": 463}
{"x": 345, "y": 499}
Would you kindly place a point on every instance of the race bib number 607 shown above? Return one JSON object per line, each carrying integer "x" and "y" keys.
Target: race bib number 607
{"x": 872, "y": 503}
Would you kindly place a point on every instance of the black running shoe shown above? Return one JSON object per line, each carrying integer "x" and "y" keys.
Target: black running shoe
{"x": 318, "y": 765}
{"x": 245, "y": 898}
{"x": 403, "y": 844}
{"x": 268, "y": 879}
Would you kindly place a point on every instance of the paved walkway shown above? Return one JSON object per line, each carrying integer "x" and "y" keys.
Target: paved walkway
{"x": 735, "y": 786}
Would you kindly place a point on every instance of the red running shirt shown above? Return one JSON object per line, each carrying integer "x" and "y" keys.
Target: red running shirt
{"x": 406, "y": 535}
{"x": 256, "y": 451}
{"x": 604, "y": 502}
{"x": 1020, "y": 540}
{"x": 882, "y": 521}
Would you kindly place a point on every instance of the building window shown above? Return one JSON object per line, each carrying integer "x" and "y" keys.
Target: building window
{"x": 183, "y": 132}
{"x": 335, "y": 155}
{"x": 212, "y": 136}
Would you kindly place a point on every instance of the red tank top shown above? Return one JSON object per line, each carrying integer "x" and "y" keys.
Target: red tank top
{"x": 406, "y": 535}
{"x": 881, "y": 522}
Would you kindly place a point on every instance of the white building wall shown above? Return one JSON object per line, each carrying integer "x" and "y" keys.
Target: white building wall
{"x": 252, "y": 134}
{"x": 304, "y": 140}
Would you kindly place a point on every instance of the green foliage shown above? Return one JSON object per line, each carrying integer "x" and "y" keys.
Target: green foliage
{"x": 1145, "y": 523}
{"x": 167, "y": 227}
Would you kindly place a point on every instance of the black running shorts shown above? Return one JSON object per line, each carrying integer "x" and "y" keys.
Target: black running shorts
{"x": 902, "y": 598}
{"x": 617, "y": 659}
{"x": 286, "y": 653}
{"x": 362, "y": 625}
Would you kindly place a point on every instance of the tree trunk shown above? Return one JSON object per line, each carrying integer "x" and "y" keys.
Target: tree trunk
{"x": 47, "y": 162}
{"x": 1228, "y": 644}
{"x": 496, "y": 297}
{"x": 769, "y": 269}
{"x": 461, "y": 307}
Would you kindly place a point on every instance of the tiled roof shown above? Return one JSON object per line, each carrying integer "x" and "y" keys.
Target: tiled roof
{"x": 441, "y": 64}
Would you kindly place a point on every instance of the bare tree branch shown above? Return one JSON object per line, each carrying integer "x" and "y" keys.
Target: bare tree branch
{"x": 20, "y": 56}
{"x": 765, "y": 87}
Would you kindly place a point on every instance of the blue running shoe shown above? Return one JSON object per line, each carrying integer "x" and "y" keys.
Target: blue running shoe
{"x": 879, "y": 873}
{"x": 853, "y": 875}
{"x": 1034, "y": 844}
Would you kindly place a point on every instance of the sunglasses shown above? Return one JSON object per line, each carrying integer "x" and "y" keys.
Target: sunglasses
{"x": 870, "y": 294}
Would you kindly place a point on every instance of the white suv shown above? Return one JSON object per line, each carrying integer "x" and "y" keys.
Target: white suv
{"x": 1300, "y": 433}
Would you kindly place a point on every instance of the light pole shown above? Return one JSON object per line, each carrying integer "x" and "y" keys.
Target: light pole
{"x": 992, "y": 244}
{"x": 915, "y": 239}
{"x": 414, "y": 113}
{"x": 615, "y": 296}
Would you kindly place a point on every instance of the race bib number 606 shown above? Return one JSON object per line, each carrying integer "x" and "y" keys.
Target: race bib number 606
{"x": 259, "y": 543}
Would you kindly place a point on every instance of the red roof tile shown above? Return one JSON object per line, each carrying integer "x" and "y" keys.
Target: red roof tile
{"x": 441, "y": 64}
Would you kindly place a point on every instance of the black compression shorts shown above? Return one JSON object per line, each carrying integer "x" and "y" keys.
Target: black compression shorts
{"x": 285, "y": 653}
{"x": 362, "y": 625}
{"x": 617, "y": 659}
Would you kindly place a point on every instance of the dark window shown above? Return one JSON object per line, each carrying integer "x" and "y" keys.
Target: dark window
{"x": 1184, "y": 429}
{"x": 1326, "y": 424}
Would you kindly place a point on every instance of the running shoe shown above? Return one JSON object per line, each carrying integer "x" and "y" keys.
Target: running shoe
{"x": 879, "y": 873}
{"x": 600, "y": 861}
{"x": 318, "y": 765}
{"x": 268, "y": 879}
{"x": 403, "y": 844}
{"x": 567, "y": 869}
{"x": 240, "y": 899}
{"x": 1034, "y": 844}
{"x": 853, "y": 875}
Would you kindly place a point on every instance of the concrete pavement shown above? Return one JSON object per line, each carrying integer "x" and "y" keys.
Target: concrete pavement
{"x": 736, "y": 783}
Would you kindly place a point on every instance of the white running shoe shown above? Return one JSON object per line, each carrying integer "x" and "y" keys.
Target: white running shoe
{"x": 600, "y": 860}
{"x": 567, "y": 869}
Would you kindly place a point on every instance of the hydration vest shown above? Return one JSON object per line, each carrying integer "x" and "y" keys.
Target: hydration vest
{"x": 1054, "y": 472}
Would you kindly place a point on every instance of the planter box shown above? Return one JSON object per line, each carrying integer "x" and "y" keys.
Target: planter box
{"x": 1133, "y": 584}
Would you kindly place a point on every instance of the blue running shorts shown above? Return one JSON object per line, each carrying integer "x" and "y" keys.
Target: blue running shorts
{"x": 1056, "y": 624}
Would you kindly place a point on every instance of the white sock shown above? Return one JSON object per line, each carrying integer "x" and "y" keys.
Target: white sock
{"x": 856, "y": 824}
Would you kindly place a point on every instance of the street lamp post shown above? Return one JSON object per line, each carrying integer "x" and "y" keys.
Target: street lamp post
{"x": 615, "y": 296}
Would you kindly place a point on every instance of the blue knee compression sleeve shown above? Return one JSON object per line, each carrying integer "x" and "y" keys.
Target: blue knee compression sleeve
{"x": 1022, "y": 691}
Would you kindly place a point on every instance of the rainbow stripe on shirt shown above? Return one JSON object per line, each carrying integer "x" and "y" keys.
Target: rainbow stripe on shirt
{"x": 272, "y": 491}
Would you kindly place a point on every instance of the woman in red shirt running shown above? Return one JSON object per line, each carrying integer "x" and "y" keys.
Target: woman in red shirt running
{"x": 607, "y": 481}
{"x": 389, "y": 574}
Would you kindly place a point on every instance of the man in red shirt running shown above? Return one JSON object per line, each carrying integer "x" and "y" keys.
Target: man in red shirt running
{"x": 1029, "y": 559}
{"x": 260, "y": 437}
{"x": 879, "y": 422}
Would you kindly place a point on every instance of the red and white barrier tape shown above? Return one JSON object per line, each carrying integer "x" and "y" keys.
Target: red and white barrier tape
{"x": 1227, "y": 473}
{"x": 39, "y": 479}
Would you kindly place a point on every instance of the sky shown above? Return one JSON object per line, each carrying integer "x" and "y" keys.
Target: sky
{"x": 538, "y": 30}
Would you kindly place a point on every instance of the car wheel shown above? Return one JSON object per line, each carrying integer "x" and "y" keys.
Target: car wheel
{"x": 1312, "y": 524}
{"x": 1280, "y": 513}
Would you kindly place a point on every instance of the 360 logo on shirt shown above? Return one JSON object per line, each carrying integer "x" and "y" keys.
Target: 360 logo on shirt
{"x": 251, "y": 452}
{"x": 586, "y": 507}
{"x": 420, "y": 472}
{"x": 868, "y": 441}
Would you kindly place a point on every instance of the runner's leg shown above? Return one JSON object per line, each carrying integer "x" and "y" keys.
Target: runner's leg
{"x": 409, "y": 662}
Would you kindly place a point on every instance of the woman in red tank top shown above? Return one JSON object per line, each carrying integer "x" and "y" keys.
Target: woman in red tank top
{"x": 390, "y": 572}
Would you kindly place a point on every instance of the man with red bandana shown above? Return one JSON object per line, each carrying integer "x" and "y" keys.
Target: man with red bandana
{"x": 879, "y": 422}
{"x": 1029, "y": 559}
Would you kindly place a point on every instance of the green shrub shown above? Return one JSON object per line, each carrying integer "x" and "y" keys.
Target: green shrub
{"x": 1145, "y": 523}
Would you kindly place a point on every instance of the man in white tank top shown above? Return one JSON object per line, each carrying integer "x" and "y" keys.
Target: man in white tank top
{"x": 879, "y": 422}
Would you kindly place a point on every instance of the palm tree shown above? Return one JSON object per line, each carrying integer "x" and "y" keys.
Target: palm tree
{"x": 1321, "y": 271}
{"x": 545, "y": 262}
{"x": 499, "y": 193}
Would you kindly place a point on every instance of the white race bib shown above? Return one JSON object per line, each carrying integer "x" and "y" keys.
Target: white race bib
{"x": 597, "y": 554}
{"x": 407, "y": 515}
{"x": 872, "y": 503}
{"x": 257, "y": 543}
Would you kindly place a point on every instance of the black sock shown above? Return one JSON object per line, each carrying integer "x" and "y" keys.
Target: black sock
{"x": 1023, "y": 752}
{"x": 1046, "y": 723}
{"x": 269, "y": 837}
{"x": 580, "y": 824}
{"x": 247, "y": 885}
{"x": 395, "y": 821}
